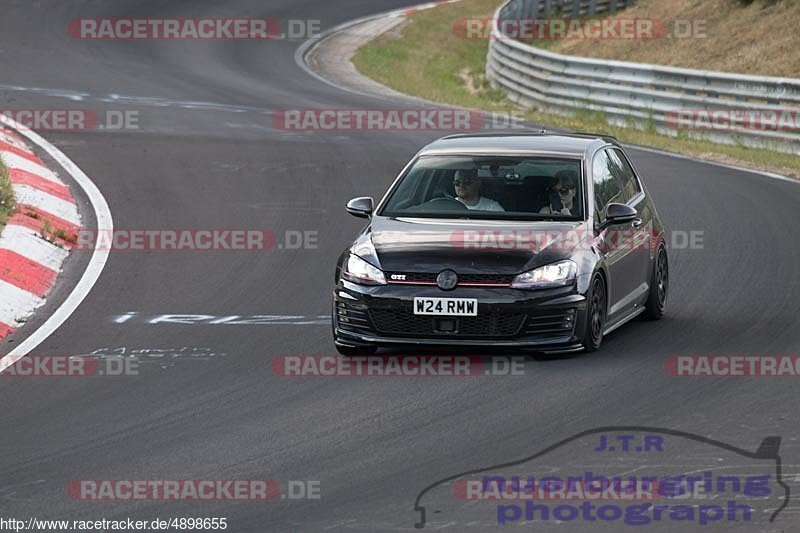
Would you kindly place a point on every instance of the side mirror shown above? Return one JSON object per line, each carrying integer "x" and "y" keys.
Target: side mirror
{"x": 619, "y": 214}
{"x": 360, "y": 207}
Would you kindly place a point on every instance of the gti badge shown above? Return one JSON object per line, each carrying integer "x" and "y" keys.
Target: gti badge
{"x": 447, "y": 280}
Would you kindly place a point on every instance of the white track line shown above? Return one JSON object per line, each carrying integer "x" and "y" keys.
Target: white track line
{"x": 96, "y": 263}
{"x": 307, "y": 45}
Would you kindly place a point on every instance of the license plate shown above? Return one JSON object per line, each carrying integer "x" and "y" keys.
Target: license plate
{"x": 446, "y": 306}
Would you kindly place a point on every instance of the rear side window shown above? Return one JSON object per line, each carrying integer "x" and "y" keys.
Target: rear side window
{"x": 623, "y": 171}
{"x": 607, "y": 188}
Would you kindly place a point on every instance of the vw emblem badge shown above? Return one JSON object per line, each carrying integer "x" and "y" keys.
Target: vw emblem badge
{"x": 447, "y": 280}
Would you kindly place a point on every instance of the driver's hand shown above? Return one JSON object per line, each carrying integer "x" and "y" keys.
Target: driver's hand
{"x": 565, "y": 211}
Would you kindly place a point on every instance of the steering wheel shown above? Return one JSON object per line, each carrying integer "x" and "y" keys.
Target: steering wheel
{"x": 445, "y": 202}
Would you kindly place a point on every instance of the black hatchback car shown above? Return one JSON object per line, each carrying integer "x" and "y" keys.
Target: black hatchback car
{"x": 539, "y": 241}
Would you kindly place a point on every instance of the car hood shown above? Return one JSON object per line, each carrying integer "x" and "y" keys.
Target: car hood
{"x": 468, "y": 247}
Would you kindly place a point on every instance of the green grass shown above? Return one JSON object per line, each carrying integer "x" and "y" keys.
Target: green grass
{"x": 450, "y": 70}
{"x": 55, "y": 237}
{"x": 6, "y": 196}
{"x": 432, "y": 71}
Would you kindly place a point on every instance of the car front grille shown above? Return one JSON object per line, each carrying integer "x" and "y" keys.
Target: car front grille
{"x": 402, "y": 322}
{"x": 428, "y": 278}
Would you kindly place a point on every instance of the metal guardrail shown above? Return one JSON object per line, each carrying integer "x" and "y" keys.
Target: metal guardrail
{"x": 521, "y": 9}
{"x": 636, "y": 94}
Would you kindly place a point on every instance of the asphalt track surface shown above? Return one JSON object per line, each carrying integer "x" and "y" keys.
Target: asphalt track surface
{"x": 206, "y": 156}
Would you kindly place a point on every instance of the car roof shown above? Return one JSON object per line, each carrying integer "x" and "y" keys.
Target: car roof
{"x": 494, "y": 143}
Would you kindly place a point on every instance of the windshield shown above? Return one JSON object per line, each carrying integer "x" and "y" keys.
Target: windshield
{"x": 496, "y": 188}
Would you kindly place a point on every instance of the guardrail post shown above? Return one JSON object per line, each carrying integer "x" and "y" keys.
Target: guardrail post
{"x": 576, "y": 8}
{"x": 548, "y": 8}
{"x": 592, "y": 7}
{"x": 533, "y": 9}
{"x": 512, "y": 9}
{"x": 525, "y": 12}
{"x": 522, "y": 6}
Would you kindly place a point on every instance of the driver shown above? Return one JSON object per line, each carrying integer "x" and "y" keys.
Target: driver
{"x": 468, "y": 191}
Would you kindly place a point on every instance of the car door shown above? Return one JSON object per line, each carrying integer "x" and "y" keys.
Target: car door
{"x": 623, "y": 265}
{"x": 640, "y": 231}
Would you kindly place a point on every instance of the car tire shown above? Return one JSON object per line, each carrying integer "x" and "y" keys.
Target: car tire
{"x": 595, "y": 315}
{"x": 659, "y": 286}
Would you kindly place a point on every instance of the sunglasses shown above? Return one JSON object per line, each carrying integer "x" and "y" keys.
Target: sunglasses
{"x": 565, "y": 190}
{"x": 467, "y": 181}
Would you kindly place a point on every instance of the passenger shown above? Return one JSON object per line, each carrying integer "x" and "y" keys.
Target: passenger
{"x": 566, "y": 187}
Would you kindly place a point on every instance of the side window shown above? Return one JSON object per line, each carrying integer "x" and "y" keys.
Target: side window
{"x": 622, "y": 169}
{"x": 606, "y": 187}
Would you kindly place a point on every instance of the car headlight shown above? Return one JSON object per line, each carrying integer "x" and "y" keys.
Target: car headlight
{"x": 554, "y": 275}
{"x": 359, "y": 271}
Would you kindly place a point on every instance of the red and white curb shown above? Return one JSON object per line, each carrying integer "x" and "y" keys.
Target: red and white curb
{"x": 102, "y": 217}
{"x": 37, "y": 237}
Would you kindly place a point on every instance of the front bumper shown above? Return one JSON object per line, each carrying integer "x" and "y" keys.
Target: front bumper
{"x": 551, "y": 320}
